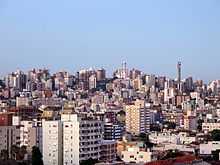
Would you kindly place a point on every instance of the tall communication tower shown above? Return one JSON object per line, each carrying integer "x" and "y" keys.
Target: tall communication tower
{"x": 179, "y": 71}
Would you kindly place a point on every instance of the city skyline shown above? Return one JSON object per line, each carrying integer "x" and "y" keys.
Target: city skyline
{"x": 150, "y": 36}
{"x": 178, "y": 76}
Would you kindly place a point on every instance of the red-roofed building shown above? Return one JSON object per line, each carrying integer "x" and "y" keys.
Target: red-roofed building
{"x": 183, "y": 160}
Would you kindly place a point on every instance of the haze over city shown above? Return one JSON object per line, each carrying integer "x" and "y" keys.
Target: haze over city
{"x": 149, "y": 35}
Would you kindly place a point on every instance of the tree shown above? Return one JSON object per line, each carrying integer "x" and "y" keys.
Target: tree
{"x": 36, "y": 156}
{"x": 154, "y": 128}
{"x": 215, "y": 135}
{"x": 121, "y": 112}
{"x": 216, "y": 155}
{"x": 4, "y": 155}
{"x": 171, "y": 125}
{"x": 89, "y": 161}
{"x": 199, "y": 127}
{"x": 199, "y": 122}
{"x": 142, "y": 135}
{"x": 118, "y": 158}
{"x": 22, "y": 151}
{"x": 146, "y": 140}
{"x": 14, "y": 151}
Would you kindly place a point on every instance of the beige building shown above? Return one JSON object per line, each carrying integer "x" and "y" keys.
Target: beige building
{"x": 210, "y": 126}
{"x": 190, "y": 122}
{"x": 181, "y": 98}
{"x": 123, "y": 145}
{"x": 9, "y": 136}
{"x": 35, "y": 138}
{"x": 30, "y": 133}
{"x": 179, "y": 147}
{"x": 137, "y": 118}
{"x": 137, "y": 83}
{"x": 138, "y": 155}
{"x": 207, "y": 148}
{"x": 22, "y": 101}
{"x": 168, "y": 137}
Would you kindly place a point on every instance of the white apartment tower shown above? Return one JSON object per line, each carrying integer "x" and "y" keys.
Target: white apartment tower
{"x": 78, "y": 140}
{"x": 52, "y": 142}
{"x": 92, "y": 82}
{"x": 150, "y": 80}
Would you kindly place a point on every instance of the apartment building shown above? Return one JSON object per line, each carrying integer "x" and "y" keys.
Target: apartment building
{"x": 112, "y": 131}
{"x": 207, "y": 148}
{"x": 174, "y": 138}
{"x": 25, "y": 124}
{"x": 81, "y": 139}
{"x": 52, "y": 142}
{"x": 190, "y": 122}
{"x": 108, "y": 151}
{"x": 179, "y": 147}
{"x": 71, "y": 140}
{"x": 9, "y": 136}
{"x": 35, "y": 138}
{"x": 210, "y": 126}
{"x": 138, "y": 155}
{"x": 137, "y": 118}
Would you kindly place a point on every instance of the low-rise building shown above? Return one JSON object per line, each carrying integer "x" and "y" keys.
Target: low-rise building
{"x": 207, "y": 148}
{"x": 174, "y": 138}
{"x": 179, "y": 147}
{"x": 138, "y": 155}
{"x": 210, "y": 126}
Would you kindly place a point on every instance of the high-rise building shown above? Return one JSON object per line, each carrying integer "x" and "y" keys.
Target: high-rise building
{"x": 169, "y": 84}
{"x": 134, "y": 73}
{"x": 137, "y": 118}
{"x": 92, "y": 82}
{"x": 10, "y": 135}
{"x": 16, "y": 80}
{"x": 122, "y": 73}
{"x": 190, "y": 122}
{"x": 52, "y": 142}
{"x": 150, "y": 80}
{"x": 112, "y": 131}
{"x": 189, "y": 84}
{"x": 161, "y": 82}
{"x": 35, "y": 138}
{"x": 101, "y": 74}
{"x": 137, "y": 83}
{"x": 71, "y": 140}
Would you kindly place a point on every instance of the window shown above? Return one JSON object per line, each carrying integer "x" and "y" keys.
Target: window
{"x": 141, "y": 156}
{"x": 131, "y": 156}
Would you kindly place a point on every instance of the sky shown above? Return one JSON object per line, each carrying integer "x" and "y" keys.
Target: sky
{"x": 149, "y": 35}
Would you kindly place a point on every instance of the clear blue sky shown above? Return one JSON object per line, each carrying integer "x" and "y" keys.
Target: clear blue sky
{"x": 150, "y": 35}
